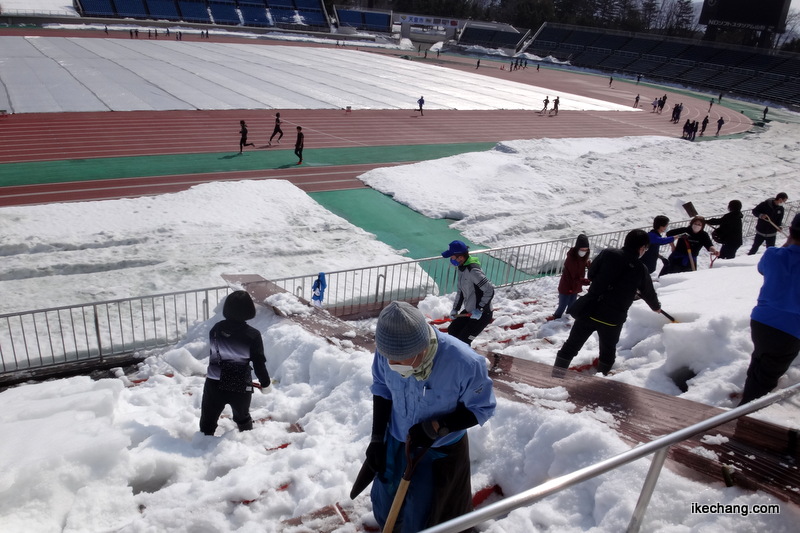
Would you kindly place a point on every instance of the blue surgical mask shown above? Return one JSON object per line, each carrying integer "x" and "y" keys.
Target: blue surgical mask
{"x": 454, "y": 262}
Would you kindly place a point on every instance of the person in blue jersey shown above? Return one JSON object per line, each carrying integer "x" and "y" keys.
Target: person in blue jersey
{"x": 235, "y": 345}
{"x": 657, "y": 240}
{"x": 472, "y": 308}
{"x": 428, "y": 388}
{"x": 775, "y": 320}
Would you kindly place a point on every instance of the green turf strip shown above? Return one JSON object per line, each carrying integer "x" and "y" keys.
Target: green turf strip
{"x": 395, "y": 224}
{"x": 166, "y": 165}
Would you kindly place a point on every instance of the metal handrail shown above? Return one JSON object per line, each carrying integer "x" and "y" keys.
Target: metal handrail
{"x": 660, "y": 446}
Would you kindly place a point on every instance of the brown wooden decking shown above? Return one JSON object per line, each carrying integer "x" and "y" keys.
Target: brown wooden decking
{"x": 757, "y": 455}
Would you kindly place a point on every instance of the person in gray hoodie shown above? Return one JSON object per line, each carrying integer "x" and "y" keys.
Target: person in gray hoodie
{"x": 472, "y": 309}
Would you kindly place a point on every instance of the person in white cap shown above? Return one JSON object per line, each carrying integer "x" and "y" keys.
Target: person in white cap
{"x": 472, "y": 309}
{"x": 427, "y": 389}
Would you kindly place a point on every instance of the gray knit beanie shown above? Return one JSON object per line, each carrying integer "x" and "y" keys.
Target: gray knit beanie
{"x": 402, "y": 331}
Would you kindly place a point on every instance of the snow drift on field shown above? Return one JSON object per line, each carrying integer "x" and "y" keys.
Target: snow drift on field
{"x": 537, "y": 190}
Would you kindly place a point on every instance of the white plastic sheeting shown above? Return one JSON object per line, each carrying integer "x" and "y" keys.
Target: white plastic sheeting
{"x": 55, "y": 74}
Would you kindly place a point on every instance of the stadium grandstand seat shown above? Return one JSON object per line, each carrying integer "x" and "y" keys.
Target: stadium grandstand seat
{"x": 224, "y": 12}
{"x": 377, "y": 21}
{"x": 282, "y": 15}
{"x": 551, "y": 34}
{"x": 618, "y": 61}
{"x": 640, "y": 45}
{"x": 308, "y": 4}
{"x": 582, "y": 38}
{"x": 254, "y": 14}
{"x": 162, "y": 9}
{"x": 590, "y": 58}
{"x": 313, "y": 17}
{"x": 612, "y": 42}
{"x": 696, "y": 74}
{"x": 98, "y": 8}
{"x": 668, "y": 70}
{"x": 668, "y": 49}
{"x": 131, "y": 8}
{"x": 697, "y": 53}
{"x": 645, "y": 65}
{"x": 349, "y": 18}
{"x": 193, "y": 11}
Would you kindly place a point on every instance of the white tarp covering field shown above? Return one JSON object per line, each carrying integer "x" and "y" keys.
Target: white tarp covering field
{"x": 54, "y": 74}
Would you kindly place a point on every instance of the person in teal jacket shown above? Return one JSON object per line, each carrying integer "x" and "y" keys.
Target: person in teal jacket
{"x": 428, "y": 388}
{"x": 775, "y": 320}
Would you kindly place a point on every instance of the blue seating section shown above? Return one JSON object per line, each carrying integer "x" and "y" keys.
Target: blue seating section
{"x": 253, "y": 12}
{"x": 224, "y": 13}
{"x": 282, "y": 16}
{"x": 718, "y": 68}
{"x": 193, "y": 11}
{"x": 364, "y": 20}
{"x": 163, "y": 9}
{"x": 98, "y": 8}
{"x": 313, "y": 17}
{"x": 490, "y": 38}
{"x": 130, "y": 8}
{"x": 254, "y": 15}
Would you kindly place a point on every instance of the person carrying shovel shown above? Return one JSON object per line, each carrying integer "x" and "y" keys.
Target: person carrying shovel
{"x": 428, "y": 388}
{"x": 770, "y": 217}
{"x": 690, "y": 241}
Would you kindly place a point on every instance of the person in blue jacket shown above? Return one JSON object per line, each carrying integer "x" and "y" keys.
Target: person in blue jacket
{"x": 775, "y": 320}
{"x": 428, "y": 388}
{"x": 234, "y": 346}
{"x": 472, "y": 308}
{"x": 650, "y": 257}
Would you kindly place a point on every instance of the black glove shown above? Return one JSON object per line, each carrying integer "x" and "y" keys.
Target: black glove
{"x": 422, "y": 435}
{"x": 376, "y": 456}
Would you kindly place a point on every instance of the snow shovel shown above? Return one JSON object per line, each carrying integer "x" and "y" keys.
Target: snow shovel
{"x": 690, "y": 210}
{"x": 689, "y": 253}
{"x": 669, "y": 316}
{"x": 400, "y": 495}
{"x": 775, "y": 226}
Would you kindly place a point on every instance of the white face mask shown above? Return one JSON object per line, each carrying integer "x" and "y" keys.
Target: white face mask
{"x": 404, "y": 370}
{"x": 581, "y": 253}
{"x": 696, "y": 228}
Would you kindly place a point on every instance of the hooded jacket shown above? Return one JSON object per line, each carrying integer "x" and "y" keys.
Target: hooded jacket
{"x": 773, "y": 211}
{"x": 475, "y": 291}
{"x": 617, "y": 275}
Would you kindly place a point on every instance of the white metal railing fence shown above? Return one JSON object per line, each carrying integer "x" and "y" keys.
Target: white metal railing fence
{"x": 659, "y": 447}
{"x": 49, "y": 337}
{"x": 62, "y": 335}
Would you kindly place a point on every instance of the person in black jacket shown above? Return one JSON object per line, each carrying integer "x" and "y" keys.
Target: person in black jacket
{"x": 690, "y": 241}
{"x": 234, "y": 346}
{"x": 729, "y": 230}
{"x": 769, "y": 212}
{"x": 616, "y": 276}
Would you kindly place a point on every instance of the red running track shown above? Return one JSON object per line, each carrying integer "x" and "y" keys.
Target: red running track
{"x": 46, "y": 137}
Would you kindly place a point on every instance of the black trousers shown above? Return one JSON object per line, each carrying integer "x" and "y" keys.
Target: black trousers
{"x": 728, "y": 251}
{"x": 773, "y": 353}
{"x": 581, "y": 330}
{"x": 466, "y": 329}
{"x": 299, "y": 153}
{"x": 759, "y": 239}
{"x": 215, "y": 400}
